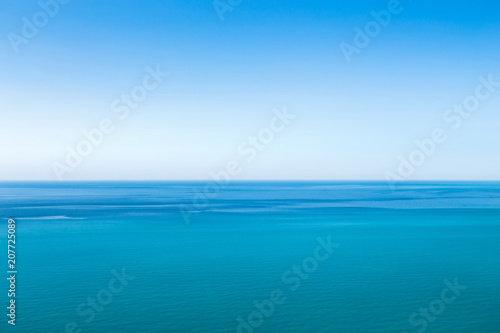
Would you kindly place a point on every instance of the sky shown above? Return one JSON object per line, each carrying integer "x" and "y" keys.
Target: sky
{"x": 232, "y": 66}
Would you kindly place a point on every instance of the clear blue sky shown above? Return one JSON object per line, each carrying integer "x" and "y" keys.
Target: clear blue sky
{"x": 226, "y": 77}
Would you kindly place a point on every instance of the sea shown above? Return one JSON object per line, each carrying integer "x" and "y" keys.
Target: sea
{"x": 260, "y": 256}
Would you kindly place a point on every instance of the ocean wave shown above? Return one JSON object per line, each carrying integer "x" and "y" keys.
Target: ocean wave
{"x": 60, "y": 217}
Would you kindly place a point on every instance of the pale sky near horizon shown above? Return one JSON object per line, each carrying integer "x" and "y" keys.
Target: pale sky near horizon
{"x": 227, "y": 77}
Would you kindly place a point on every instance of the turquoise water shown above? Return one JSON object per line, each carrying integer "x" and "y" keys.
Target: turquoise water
{"x": 395, "y": 251}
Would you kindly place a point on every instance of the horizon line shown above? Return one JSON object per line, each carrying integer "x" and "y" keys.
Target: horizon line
{"x": 251, "y": 180}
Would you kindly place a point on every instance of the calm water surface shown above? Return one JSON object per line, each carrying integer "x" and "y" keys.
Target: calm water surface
{"x": 397, "y": 248}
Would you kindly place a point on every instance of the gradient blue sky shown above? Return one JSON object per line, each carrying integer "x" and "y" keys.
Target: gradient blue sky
{"x": 226, "y": 77}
